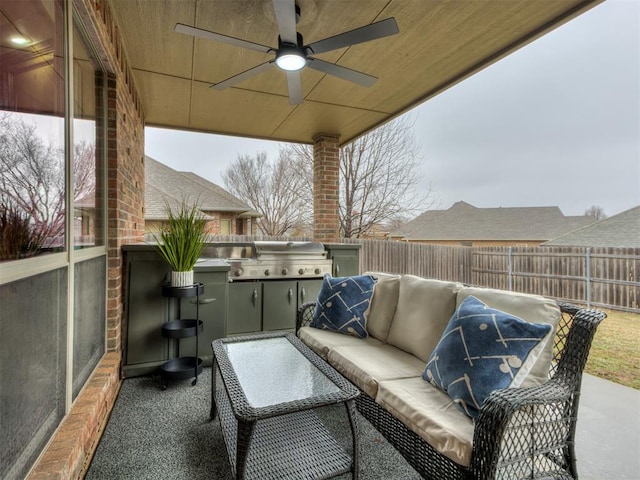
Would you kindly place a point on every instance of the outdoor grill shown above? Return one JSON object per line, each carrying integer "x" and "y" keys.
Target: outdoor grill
{"x": 261, "y": 260}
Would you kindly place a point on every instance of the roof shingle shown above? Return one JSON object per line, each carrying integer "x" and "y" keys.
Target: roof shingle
{"x": 464, "y": 222}
{"x": 621, "y": 230}
{"x": 164, "y": 185}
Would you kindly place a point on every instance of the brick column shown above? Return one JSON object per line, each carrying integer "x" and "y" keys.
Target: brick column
{"x": 326, "y": 187}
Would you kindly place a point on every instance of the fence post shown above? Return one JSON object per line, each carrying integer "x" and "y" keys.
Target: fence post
{"x": 510, "y": 274}
{"x": 588, "y": 276}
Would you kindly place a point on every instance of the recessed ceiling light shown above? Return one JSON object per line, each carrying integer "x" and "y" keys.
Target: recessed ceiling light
{"x": 19, "y": 40}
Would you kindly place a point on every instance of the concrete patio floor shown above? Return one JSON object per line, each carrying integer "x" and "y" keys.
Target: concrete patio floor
{"x": 607, "y": 439}
{"x": 608, "y": 433}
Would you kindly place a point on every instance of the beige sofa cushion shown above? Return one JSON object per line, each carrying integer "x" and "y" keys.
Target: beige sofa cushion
{"x": 383, "y": 304}
{"x": 322, "y": 341}
{"x": 368, "y": 365}
{"x": 532, "y": 308}
{"x": 424, "y": 309}
{"x": 431, "y": 414}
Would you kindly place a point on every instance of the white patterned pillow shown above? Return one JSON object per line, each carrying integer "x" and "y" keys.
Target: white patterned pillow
{"x": 482, "y": 350}
{"x": 343, "y": 303}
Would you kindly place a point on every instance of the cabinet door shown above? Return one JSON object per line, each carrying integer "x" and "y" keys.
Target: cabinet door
{"x": 308, "y": 290}
{"x": 146, "y": 310}
{"x": 345, "y": 258}
{"x": 279, "y": 305}
{"x": 245, "y": 308}
{"x": 345, "y": 264}
{"x": 212, "y": 311}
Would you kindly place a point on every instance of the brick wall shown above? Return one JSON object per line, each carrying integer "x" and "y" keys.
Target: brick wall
{"x": 326, "y": 182}
{"x": 125, "y": 155}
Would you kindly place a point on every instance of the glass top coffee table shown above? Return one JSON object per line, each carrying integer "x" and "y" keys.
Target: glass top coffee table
{"x": 264, "y": 389}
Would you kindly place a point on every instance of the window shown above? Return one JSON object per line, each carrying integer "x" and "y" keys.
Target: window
{"x": 32, "y": 152}
{"x": 225, "y": 226}
{"x": 88, "y": 110}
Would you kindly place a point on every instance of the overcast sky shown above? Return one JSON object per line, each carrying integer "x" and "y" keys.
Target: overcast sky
{"x": 555, "y": 124}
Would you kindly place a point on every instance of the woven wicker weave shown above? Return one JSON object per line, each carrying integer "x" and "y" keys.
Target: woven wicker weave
{"x": 520, "y": 433}
{"x": 283, "y": 440}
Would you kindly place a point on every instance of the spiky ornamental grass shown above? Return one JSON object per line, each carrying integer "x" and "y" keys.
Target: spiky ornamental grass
{"x": 18, "y": 236}
{"x": 181, "y": 239}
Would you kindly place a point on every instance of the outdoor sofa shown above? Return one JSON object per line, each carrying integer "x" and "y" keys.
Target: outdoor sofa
{"x": 518, "y": 432}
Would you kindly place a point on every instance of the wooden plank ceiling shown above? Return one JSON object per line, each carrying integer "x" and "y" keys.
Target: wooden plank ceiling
{"x": 440, "y": 43}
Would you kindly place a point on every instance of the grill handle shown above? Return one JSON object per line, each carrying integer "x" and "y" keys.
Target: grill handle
{"x": 290, "y": 295}
{"x": 254, "y": 297}
{"x": 303, "y": 294}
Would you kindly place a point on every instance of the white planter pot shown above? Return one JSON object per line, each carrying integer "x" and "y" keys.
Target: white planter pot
{"x": 182, "y": 279}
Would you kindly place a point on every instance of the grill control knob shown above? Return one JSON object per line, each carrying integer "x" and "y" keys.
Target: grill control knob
{"x": 301, "y": 271}
{"x": 238, "y": 272}
{"x": 285, "y": 271}
{"x": 267, "y": 272}
{"x": 317, "y": 271}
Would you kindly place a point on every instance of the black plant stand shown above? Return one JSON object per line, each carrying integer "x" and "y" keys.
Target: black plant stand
{"x": 181, "y": 368}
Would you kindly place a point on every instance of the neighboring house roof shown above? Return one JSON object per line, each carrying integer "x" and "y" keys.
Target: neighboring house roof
{"x": 164, "y": 184}
{"x": 464, "y": 222}
{"x": 621, "y": 230}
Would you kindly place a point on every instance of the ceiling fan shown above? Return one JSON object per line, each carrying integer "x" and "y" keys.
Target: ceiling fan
{"x": 292, "y": 55}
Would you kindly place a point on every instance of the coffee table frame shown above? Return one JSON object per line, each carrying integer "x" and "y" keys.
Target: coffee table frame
{"x": 284, "y": 440}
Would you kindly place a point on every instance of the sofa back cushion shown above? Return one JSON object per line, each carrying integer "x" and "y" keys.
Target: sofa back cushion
{"x": 424, "y": 309}
{"x": 383, "y": 304}
{"x": 532, "y": 308}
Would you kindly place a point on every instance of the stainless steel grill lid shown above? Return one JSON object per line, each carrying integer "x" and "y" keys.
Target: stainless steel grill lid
{"x": 295, "y": 249}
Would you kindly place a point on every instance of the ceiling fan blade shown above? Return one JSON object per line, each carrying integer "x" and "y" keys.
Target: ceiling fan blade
{"x": 285, "y": 11}
{"x": 341, "y": 72}
{"x": 218, "y": 37}
{"x": 380, "y": 29}
{"x": 294, "y": 83}
{"x": 242, "y": 76}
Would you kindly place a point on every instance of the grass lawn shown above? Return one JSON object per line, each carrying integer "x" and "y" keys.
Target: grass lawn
{"x": 615, "y": 352}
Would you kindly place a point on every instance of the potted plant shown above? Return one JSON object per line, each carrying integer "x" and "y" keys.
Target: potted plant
{"x": 180, "y": 241}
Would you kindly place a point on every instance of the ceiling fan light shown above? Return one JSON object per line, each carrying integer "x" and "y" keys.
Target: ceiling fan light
{"x": 19, "y": 40}
{"x": 290, "y": 60}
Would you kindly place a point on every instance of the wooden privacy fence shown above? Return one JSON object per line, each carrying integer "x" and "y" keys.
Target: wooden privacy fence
{"x": 602, "y": 277}
{"x": 432, "y": 261}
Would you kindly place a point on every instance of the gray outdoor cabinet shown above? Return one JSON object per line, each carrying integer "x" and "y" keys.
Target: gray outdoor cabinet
{"x": 279, "y": 305}
{"x": 256, "y": 306}
{"x": 346, "y": 258}
{"x": 146, "y": 310}
{"x": 308, "y": 290}
{"x": 245, "y": 308}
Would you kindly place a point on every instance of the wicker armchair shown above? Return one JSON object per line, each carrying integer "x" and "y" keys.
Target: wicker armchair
{"x": 520, "y": 432}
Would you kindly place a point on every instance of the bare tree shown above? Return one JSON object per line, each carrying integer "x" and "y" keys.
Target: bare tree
{"x": 84, "y": 170}
{"x": 596, "y": 212}
{"x": 379, "y": 178}
{"x": 33, "y": 175}
{"x": 270, "y": 189}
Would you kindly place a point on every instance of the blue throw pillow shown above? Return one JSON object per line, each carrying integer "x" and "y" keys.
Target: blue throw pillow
{"x": 482, "y": 350}
{"x": 342, "y": 304}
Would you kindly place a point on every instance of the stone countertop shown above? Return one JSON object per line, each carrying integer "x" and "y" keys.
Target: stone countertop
{"x": 211, "y": 265}
{"x": 203, "y": 265}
